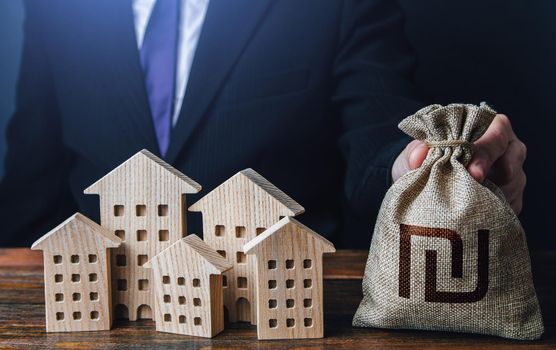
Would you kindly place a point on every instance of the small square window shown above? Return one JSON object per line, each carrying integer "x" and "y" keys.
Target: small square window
{"x": 167, "y": 318}
{"x": 241, "y": 258}
{"x": 142, "y": 259}
{"x": 219, "y": 230}
{"x": 93, "y": 277}
{"x": 167, "y": 298}
{"x": 308, "y": 322}
{"x": 76, "y": 296}
{"x": 290, "y": 284}
{"x": 224, "y": 281}
{"x": 120, "y": 234}
{"x": 141, "y": 235}
{"x": 222, "y": 252}
{"x": 77, "y": 315}
{"x": 76, "y": 278}
{"x": 140, "y": 210}
{"x": 272, "y": 284}
{"x": 93, "y": 259}
{"x": 57, "y": 259}
{"x": 307, "y": 303}
{"x": 307, "y": 263}
{"x": 196, "y": 282}
{"x": 93, "y": 296}
{"x": 58, "y": 278}
{"x": 182, "y": 319}
{"x": 196, "y": 302}
{"x": 242, "y": 282}
{"x": 121, "y": 260}
{"x": 272, "y": 264}
{"x": 307, "y": 283}
{"x": 181, "y": 281}
{"x": 273, "y": 323}
{"x": 272, "y": 304}
{"x": 289, "y": 264}
{"x": 122, "y": 284}
{"x": 197, "y": 321}
{"x": 181, "y": 300}
{"x": 143, "y": 284}
{"x": 290, "y": 322}
{"x": 259, "y": 230}
{"x": 166, "y": 280}
{"x": 94, "y": 315}
{"x": 59, "y": 297}
{"x": 75, "y": 259}
{"x": 290, "y": 303}
{"x": 240, "y": 231}
{"x": 118, "y": 210}
{"x": 163, "y": 235}
{"x": 59, "y": 316}
{"x": 162, "y": 210}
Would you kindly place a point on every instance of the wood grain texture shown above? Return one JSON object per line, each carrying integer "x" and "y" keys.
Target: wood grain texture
{"x": 188, "y": 292}
{"x": 142, "y": 201}
{"x": 22, "y": 323}
{"x": 289, "y": 280}
{"x": 77, "y": 275}
{"x": 234, "y": 213}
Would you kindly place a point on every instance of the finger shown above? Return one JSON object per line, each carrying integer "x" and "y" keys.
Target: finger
{"x": 417, "y": 153}
{"x": 511, "y": 163}
{"x": 513, "y": 192}
{"x": 402, "y": 163}
{"x": 491, "y": 146}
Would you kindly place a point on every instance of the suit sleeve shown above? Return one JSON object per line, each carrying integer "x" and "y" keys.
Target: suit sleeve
{"x": 35, "y": 187}
{"x": 372, "y": 91}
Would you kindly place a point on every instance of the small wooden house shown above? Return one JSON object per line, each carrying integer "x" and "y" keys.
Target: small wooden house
{"x": 289, "y": 280}
{"x": 143, "y": 202}
{"x": 77, "y": 275}
{"x": 187, "y": 281}
{"x": 233, "y": 214}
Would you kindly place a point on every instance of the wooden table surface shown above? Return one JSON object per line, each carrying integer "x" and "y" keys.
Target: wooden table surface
{"x": 22, "y": 316}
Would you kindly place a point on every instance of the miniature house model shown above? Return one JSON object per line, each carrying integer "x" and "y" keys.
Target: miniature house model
{"x": 142, "y": 201}
{"x": 289, "y": 280}
{"x": 187, "y": 281}
{"x": 233, "y": 214}
{"x": 77, "y": 275}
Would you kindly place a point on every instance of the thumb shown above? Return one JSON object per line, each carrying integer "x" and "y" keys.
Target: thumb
{"x": 410, "y": 158}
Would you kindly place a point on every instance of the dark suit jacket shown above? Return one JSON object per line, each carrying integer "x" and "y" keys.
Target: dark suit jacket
{"x": 308, "y": 93}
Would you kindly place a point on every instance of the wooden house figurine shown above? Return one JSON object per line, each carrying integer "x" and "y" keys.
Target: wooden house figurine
{"x": 77, "y": 275}
{"x": 289, "y": 280}
{"x": 233, "y": 214}
{"x": 143, "y": 202}
{"x": 187, "y": 281}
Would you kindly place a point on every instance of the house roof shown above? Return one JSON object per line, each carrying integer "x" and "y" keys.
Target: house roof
{"x": 190, "y": 185}
{"x": 110, "y": 240}
{"x": 261, "y": 183}
{"x": 278, "y": 227}
{"x": 204, "y": 251}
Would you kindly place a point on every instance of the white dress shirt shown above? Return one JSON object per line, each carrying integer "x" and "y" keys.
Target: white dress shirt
{"x": 192, "y": 17}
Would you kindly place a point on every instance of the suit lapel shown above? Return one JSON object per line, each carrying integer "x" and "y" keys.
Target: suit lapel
{"x": 123, "y": 81}
{"x": 228, "y": 27}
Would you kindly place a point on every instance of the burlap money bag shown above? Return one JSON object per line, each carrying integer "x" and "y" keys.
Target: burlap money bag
{"x": 448, "y": 253}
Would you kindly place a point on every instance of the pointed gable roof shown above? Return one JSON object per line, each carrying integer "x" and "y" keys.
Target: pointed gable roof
{"x": 75, "y": 224}
{"x": 280, "y": 226}
{"x": 215, "y": 261}
{"x": 262, "y": 186}
{"x": 189, "y": 185}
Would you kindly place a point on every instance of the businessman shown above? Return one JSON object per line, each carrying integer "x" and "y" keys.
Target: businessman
{"x": 308, "y": 93}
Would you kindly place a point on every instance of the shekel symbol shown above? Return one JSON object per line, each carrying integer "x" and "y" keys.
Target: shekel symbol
{"x": 431, "y": 294}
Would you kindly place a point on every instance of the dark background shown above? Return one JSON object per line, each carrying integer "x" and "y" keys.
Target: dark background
{"x": 502, "y": 52}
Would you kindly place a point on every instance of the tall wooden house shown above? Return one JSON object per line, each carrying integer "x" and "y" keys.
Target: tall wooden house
{"x": 143, "y": 202}
{"x": 187, "y": 281}
{"x": 289, "y": 280}
{"x": 233, "y": 214}
{"x": 77, "y": 275}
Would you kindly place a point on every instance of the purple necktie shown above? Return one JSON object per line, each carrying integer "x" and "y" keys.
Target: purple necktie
{"x": 158, "y": 58}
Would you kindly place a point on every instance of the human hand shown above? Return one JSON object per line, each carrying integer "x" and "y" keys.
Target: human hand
{"x": 497, "y": 155}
